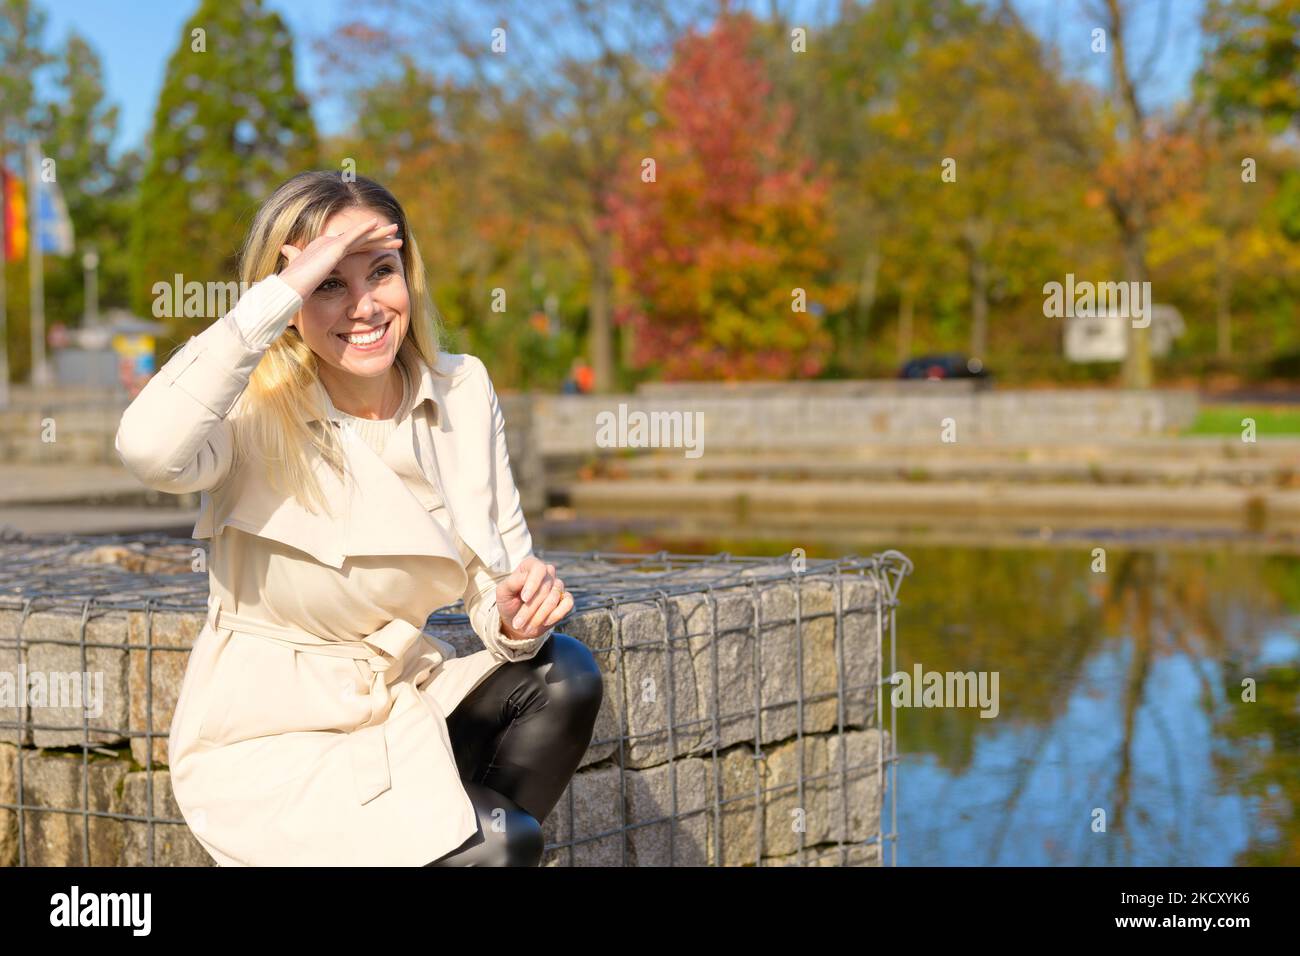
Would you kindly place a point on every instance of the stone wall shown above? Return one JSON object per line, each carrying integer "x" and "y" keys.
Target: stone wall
{"x": 761, "y": 415}
{"x": 81, "y": 431}
{"x": 731, "y": 692}
{"x": 798, "y": 419}
{"x": 71, "y": 429}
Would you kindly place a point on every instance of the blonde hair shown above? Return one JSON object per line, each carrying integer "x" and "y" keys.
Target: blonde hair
{"x": 268, "y": 418}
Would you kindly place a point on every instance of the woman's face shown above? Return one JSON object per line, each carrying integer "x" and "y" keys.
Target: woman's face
{"x": 365, "y": 293}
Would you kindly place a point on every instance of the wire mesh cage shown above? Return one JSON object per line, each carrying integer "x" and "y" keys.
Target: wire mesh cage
{"x": 742, "y": 721}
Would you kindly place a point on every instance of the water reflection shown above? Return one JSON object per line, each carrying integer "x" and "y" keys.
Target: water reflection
{"x": 1121, "y": 691}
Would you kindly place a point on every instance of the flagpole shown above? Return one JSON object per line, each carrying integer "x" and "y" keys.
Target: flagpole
{"x": 40, "y": 371}
{"x": 90, "y": 265}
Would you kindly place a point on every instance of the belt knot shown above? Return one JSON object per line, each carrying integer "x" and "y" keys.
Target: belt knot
{"x": 379, "y": 650}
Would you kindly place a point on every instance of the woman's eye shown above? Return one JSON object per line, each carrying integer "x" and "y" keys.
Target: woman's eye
{"x": 332, "y": 285}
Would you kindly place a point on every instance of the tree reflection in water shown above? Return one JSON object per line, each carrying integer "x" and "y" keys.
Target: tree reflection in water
{"x": 1120, "y": 691}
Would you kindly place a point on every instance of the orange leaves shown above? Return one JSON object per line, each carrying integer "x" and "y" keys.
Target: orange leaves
{"x": 1155, "y": 171}
{"x": 714, "y": 249}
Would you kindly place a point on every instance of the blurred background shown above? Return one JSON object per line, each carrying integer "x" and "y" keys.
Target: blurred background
{"x": 831, "y": 229}
{"x": 1116, "y": 156}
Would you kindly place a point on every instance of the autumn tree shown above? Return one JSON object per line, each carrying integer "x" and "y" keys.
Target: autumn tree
{"x": 1125, "y": 169}
{"x": 450, "y": 151}
{"x": 1220, "y": 249}
{"x": 961, "y": 139}
{"x": 849, "y": 71}
{"x": 580, "y": 92}
{"x": 1252, "y": 59}
{"x": 722, "y": 227}
{"x": 1248, "y": 89}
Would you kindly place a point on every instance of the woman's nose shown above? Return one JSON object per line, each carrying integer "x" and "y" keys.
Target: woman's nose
{"x": 365, "y": 306}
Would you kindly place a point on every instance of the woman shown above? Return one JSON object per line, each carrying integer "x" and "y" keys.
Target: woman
{"x": 355, "y": 479}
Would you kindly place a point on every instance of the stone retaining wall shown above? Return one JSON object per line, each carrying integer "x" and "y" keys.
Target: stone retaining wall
{"x": 765, "y": 415}
{"x": 811, "y": 420}
{"x": 707, "y": 687}
{"x": 74, "y": 430}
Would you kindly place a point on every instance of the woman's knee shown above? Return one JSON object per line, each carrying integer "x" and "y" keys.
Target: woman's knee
{"x": 507, "y": 834}
{"x": 524, "y": 843}
{"x": 516, "y": 838}
{"x": 574, "y": 680}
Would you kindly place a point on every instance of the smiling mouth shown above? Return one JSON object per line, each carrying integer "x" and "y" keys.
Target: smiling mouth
{"x": 370, "y": 339}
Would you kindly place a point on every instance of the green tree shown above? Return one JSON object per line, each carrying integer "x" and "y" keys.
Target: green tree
{"x": 962, "y": 138}
{"x": 22, "y": 56}
{"x": 853, "y": 71}
{"x": 229, "y": 127}
{"x": 77, "y": 133}
{"x": 1251, "y": 73}
{"x": 1252, "y": 60}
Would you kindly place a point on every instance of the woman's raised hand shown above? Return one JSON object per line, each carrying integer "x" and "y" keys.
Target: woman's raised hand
{"x": 308, "y": 267}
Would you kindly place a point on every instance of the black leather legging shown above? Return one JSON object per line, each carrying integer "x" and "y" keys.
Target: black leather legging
{"x": 518, "y": 737}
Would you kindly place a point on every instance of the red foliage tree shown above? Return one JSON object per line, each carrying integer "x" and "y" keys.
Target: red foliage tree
{"x": 713, "y": 249}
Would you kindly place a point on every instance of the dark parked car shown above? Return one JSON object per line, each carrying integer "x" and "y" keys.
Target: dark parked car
{"x": 946, "y": 365}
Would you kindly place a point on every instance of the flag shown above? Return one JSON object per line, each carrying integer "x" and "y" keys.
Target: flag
{"x": 53, "y": 226}
{"x": 15, "y": 218}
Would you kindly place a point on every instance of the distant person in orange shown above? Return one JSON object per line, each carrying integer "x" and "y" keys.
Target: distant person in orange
{"x": 581, "y": 378}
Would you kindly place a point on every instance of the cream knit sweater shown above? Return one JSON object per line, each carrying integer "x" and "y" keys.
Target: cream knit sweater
{"x": 376, "y": 432}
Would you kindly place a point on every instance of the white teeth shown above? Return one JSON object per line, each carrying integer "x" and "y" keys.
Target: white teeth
{"x": 366, "y": 339}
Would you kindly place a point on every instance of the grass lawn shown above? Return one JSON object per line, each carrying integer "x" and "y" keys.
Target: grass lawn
{"x": 1270, "y": 420}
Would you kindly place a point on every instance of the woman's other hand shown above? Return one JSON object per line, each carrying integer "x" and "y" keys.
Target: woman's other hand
{"x": 531, "y": 599}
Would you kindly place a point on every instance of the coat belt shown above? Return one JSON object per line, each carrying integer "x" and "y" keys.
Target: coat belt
{"x": 379, "y": 651}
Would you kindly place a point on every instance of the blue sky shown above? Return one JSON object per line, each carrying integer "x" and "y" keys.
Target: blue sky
{"x": 134, "y": 38}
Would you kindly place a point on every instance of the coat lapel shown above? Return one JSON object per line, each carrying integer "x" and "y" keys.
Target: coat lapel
{"x": 453, "y": 442}
{"x": 387, "y": 509}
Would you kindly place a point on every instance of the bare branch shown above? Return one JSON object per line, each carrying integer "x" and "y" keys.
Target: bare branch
{"x": 1157, "y": 45}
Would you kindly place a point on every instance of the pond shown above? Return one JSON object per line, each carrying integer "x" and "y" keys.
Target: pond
{"x": 1149, "y": 704}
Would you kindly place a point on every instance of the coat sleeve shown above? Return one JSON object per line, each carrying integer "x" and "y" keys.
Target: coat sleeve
{"x": 480, "y": 597}
{"x": 175, "y": 435}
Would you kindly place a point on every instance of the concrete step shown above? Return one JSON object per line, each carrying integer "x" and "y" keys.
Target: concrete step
{"x": 74, "y": 519}
{"x": 1252, "y": 472}
{"x": 78, "y": 483}
{"x": 1070, "y": 504}
{"x": 1071, "y": 448}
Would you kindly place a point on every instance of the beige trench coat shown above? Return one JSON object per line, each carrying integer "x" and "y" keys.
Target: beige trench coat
{"x": 310, "y": 728}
